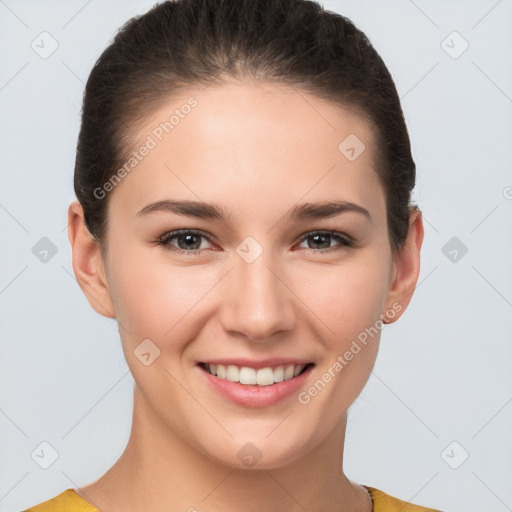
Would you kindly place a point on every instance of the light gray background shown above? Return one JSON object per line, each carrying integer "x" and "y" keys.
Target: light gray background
{"x": 443, "y": 371}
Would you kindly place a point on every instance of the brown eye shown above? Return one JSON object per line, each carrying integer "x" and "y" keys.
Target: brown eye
{"x": 321, "y": 240}
{"x": 187, "y": 241}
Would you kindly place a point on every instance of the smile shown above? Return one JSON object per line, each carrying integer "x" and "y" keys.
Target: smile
{"x": 251, "y": 376}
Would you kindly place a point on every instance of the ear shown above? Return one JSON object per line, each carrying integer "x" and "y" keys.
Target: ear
{"x": 405, "y": 271}
{"x": 88, "y": 263}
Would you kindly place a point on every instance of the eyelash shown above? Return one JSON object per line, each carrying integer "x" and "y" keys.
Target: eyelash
{"x": 335, "y": 235}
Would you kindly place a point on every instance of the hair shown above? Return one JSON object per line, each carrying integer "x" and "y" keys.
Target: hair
{"x": 182, "y": 44}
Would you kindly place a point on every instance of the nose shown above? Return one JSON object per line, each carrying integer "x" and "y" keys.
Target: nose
{"x": 258, "y": 302}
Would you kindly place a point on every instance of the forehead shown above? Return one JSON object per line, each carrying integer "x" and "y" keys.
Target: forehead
{"x": 252, "y": 147}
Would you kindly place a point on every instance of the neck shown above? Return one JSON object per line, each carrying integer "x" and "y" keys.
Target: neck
{"x": 158, "y": 469}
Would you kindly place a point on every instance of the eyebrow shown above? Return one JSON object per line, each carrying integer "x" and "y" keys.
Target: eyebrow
{"x": 210, "y": 211}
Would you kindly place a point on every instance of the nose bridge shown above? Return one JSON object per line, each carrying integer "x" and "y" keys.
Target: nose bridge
{"x": 257, "y": 302}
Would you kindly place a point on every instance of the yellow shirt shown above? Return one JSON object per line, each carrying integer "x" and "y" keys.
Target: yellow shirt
{"x": 70, "y": 501}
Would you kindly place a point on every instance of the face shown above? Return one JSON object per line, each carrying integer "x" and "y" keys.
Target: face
{"x": 258, "y": 285}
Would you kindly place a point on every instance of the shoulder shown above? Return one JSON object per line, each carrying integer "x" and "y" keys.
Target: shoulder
{"x": 68, "y": 500}
{"x": 383, "y": 502}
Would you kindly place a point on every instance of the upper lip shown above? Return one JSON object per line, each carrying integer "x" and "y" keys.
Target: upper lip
{"x": 258, "y": 364}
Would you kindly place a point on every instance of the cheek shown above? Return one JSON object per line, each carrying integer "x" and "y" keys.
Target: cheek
{"x": 349, "y": 301}
{"x": 155, "y": 298}
{"x": 347, "y": 298}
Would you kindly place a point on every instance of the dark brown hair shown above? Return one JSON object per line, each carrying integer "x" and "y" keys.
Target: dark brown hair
{"x": 185, "y": 43}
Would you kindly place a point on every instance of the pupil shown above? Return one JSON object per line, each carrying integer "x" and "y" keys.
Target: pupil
{"x": 188, "y": 237}
{"x": 315, "y": 237}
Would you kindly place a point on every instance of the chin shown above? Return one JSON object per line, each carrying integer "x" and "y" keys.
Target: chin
{"x": 257, "y": 453}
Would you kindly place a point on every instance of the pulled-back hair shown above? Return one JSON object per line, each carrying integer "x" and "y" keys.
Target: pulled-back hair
{"x": 187, "y": 43}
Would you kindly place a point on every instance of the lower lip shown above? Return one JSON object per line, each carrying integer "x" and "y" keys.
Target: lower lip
{"x": 256, "y": 396}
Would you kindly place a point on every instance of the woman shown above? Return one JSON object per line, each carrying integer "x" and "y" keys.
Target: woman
{"x": 243, "y": 177}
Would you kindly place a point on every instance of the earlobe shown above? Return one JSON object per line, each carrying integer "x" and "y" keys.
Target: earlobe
{"x": 88, "y": 264}
{"x": 406, "y": 269}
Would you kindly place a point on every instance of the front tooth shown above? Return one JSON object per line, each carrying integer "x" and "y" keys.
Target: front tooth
{"x": 288, "y": 371}
{"x": 247, "y": 375}
{"x": 213, "y": 369}
{"x": 298, "y": 369}
{"x": 221, "y": 371}
{"x": 232, "y": 373}
{"x": 279, "y": 374}
{"x": 265, "y": 377}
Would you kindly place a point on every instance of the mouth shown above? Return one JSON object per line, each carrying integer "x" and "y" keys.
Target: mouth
{"x": 249, "y": 376}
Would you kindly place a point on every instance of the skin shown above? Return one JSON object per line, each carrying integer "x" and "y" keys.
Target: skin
{"x": 257, "y": 150}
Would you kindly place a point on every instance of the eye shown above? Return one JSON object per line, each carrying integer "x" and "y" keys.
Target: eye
{"x": 188, "y": 241}
{"x": 323, "y": 238}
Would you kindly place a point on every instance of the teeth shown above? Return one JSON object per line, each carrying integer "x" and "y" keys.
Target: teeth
{"x": 288, "y": 371}
{"x": 247, "y": 375}
{"x": 232, "y": 373}
{"x": 221, "y": 371}
{"x": 279, "y": 374}
{"x": 264, "y": 377}
{"x": 298, "y": 369}
{"x": 250, "y": 376}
